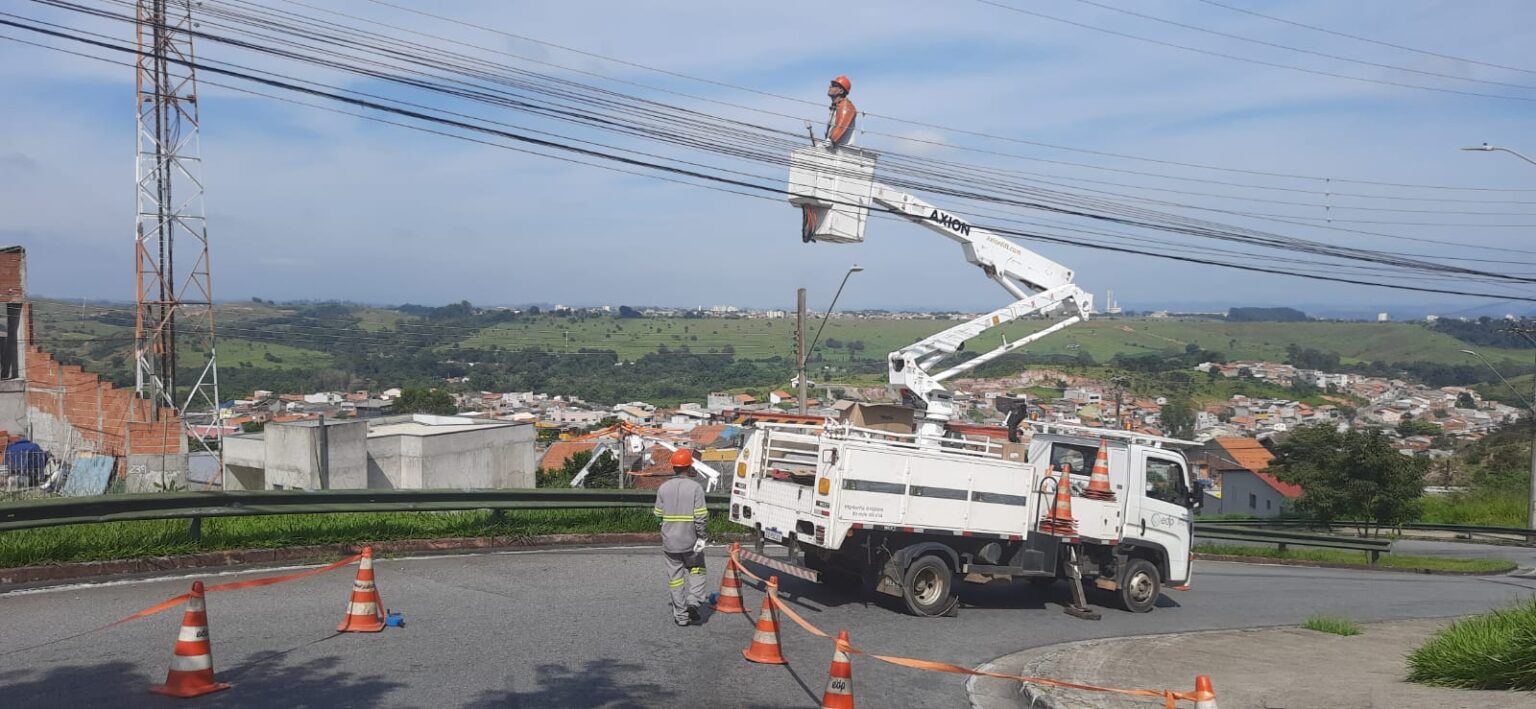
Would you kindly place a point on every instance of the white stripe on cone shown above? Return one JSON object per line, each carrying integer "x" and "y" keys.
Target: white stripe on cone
{"x": 192, "y": 633}
{"x": 192, "y": 663}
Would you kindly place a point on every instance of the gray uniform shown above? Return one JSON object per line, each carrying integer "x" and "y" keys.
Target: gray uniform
{"x": 680, "y": 507}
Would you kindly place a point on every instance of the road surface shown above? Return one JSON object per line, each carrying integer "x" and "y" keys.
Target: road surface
{"x": 590, "y": 628}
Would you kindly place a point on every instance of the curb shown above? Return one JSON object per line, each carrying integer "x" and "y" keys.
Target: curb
{"x": 1338, "y": 565}
{"x": 1031, "y": 696}
{"x": 52, "y": 574}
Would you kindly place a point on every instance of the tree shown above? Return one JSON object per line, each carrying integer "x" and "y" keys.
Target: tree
{"x": 1355, "y": 475}
{"x": 1465, "y": 401}
{"x": 1178, "y": 419}
{"x": 425, "y": 401}
{"x": 1417, "y": 427}
{"x": 627, "y": 312}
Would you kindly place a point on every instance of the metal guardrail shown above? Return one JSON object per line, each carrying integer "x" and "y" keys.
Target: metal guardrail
{"x": 1529, "y": 534}
{"x": 1283, "y": 540}
{"x": 197, "y": 505}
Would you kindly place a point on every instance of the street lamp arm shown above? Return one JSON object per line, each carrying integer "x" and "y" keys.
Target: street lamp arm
{"x": 1491, "y": 148}
{"x": 830, "y": 308}
{"x": 1496, "y": 373}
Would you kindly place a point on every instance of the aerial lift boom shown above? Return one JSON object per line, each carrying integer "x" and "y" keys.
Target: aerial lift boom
{"x": 839, "y": 186}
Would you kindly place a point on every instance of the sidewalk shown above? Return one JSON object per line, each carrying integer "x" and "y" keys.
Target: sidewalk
{"x": 1278, "y": 668}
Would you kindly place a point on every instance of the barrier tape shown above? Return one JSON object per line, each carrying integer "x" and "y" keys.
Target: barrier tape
{"x": 1169, "y": 697}
{"x": 233, "y": 586}
{"x": 173, "y": 602}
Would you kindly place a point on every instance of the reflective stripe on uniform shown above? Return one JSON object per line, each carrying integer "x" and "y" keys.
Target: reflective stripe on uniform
{"x": 656, "y": 511}
{"x": 696, "y": 570}
{"x": 674, "y": 583}
{"x": 677, "y": 518}
{"x": 701, "y": 511}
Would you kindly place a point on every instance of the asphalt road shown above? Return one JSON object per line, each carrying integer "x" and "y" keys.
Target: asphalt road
{"x": 590, "y": 628}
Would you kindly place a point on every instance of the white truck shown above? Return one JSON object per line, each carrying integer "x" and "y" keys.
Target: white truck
{"x": 910, "y": 508}
{"x": 881, "y": 508}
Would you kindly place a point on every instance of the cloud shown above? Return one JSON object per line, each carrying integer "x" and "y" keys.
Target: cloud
{"x": 315, "y": 204}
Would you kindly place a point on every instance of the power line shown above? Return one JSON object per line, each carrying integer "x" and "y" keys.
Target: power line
{"x": 1165, "y": 224}
{"x": 1359, "y": 38}
{"x": 1250, "y": 60}
{"x": 898, "y": 119}
{"x": 1276, "y": 45}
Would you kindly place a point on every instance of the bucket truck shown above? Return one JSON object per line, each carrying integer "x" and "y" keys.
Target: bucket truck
{"x": 910, "y": 512}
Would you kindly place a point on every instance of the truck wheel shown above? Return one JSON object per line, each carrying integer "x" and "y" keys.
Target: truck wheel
{"x": 1140, "y": 586}
{"x": 1042, "y": 582}
{"x": 928, "y": 587}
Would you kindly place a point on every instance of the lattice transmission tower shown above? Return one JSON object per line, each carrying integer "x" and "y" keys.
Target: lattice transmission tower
{"x": 174, "y": 334}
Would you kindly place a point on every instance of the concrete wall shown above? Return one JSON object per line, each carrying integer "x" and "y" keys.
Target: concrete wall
{"x": 13, "y": 407}
{"x": 488, "y": 458}
{"x": 293, "y": 455}
{"x": 500, "y": 457}
{"x": 156, "y": 472}
{"x": 245, "y": 462}
{"x": 442, "y": 456}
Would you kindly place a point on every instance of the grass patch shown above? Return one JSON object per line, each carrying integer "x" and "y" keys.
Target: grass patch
{"x": 1488, "y": 508}
{"x": 1330, "y": 624}
{"x": 130, "y": 540}
{"x": 1339, "y": 556}
{"x": 1495, "y": 650}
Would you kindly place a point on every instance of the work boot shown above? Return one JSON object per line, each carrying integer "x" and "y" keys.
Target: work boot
{"x": 693, "y": 614}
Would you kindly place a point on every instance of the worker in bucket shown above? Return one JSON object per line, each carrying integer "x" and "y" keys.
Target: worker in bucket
{"x": 680, "y": 506}
{"x": 840, "y": 119}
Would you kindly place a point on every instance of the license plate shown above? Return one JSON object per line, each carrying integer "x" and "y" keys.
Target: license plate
{"x": 774, "y": 534}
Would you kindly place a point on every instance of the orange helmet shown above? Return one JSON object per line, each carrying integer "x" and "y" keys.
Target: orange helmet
{"x": 845, "y": 83}
{"x": 683, "y": 458}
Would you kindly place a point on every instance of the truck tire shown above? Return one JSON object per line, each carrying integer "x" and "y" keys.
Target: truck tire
{"x": 928, "y": 587}
{"x": 1140, "y": 586}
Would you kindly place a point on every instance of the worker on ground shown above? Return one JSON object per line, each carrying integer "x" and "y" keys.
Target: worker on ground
{"x": 840, "y": 119}
{"x": 680, "y": 506}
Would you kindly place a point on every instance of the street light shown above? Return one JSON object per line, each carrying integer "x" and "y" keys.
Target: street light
{"x": 1486, "y": 148}
{"x": 804, "y": 386}
{"x": 1530, "y": 512}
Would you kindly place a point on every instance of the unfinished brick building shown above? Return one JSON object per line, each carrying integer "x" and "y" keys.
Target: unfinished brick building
{"x": 71, "y": 412}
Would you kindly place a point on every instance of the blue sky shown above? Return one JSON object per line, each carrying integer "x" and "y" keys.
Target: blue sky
{"x": 305, "y": 204}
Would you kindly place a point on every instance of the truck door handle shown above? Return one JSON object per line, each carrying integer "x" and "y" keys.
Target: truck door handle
{"x": 1143, "y": 525}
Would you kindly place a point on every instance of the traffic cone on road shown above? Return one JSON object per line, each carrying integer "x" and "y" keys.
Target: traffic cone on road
{"x": 365, "y": 611}
{"x": 729, "y": 600}
{"x": 1205, "y": 694}
{"x": 839, "y": 694}
{"x": 191, "y": 672}
{"x": 765, "y": 639}
{"x": 1059, "y": 522}
{"x": 1098, "y": 483}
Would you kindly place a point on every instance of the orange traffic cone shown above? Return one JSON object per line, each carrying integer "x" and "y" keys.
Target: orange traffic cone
{"x": 191, "y": 672}
{"x": 1059, "y": 522}
{"x": 1205, "y": 694}
{"x": 839, "y": 694}
{"x": 365, "y": 612}
{"x": 729, "y": 600}
{"x": 1098, "y": 483}
{"x": 765, "y": 639}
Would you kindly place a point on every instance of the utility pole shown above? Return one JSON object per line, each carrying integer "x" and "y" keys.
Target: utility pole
{"x": 800, "y": 347}
{"x": 1530, "y": 409}
{"x": 1530, "y": 505}
{"x": 174, "y": 307}
{"x": 1119, "y": 383}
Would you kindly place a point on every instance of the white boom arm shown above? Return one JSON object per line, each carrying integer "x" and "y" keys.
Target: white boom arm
{"x": 839, "y": 187}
